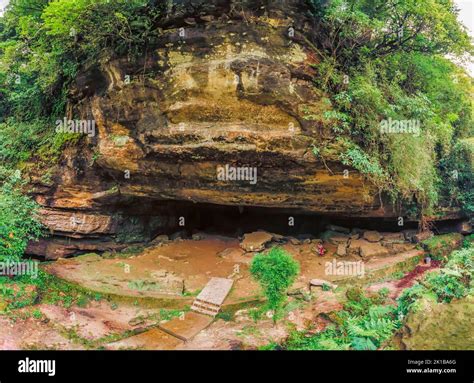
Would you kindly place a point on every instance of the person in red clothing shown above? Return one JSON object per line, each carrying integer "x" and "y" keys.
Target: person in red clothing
{"x": 321, "y": 249}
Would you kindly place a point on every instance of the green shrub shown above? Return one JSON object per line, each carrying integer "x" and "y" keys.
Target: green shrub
{"x": 276, "y": 272}
{"x": 364, "y": 324}
{"x": 18, "y": 219}
{"x": 447, "y": 284}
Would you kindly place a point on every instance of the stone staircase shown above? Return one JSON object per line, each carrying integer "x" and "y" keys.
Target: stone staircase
{"x": 210, "y": 299}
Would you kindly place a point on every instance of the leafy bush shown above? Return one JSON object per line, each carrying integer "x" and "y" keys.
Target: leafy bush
{"x": 276, "y": 272}
{"x": 364, "y": 324}
{"x": 18, "y": 220}
{"x": 447, "y": 284}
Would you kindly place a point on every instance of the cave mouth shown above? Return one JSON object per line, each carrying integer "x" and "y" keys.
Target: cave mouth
{"x": 234, "y": 221}
{"x": 137, "y": 222}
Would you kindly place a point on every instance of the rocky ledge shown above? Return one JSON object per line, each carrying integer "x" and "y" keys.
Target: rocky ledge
{"x": 225, "y": 92}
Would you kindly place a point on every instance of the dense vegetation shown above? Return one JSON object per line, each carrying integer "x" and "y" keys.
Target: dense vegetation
{"x": 368, "y": 322}
{"x": 43, "y": 44}
{"x": 18, "y": 221}
{"x": 388, "y": 60}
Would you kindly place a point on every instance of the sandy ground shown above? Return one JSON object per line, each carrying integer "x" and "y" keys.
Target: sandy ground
{"x": 112, "y": 323}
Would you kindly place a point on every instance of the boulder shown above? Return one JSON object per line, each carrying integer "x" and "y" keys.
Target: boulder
{"x": 137, "y": 321}
{"x": 320, "y": 283}
{"x": 422, "y": 236}
{"x": 52, "y": 248}
{"x": 371, "y": 249}
{"x": 255, "y": 241}
{"x": 334, "y": 237}
{"x": 390, "y": 240}
{"x": 372, "y": 236}
{"x": 366, "y": 249}
{"x": 295, "y": 241}
{"x": 356, "y": 230}
{"x": 178, "y": 235}
{"x": 432, "y": 327}
{"x": 409, "y": 234}
{"x": 341, "y": 250}
{"x": 339, "y": 240}
{"x": 354, "y": 236}
{"x": 393, "y": 237}
{"x": 354, "y": 247}
{"x": 279, "y": 238}
{"x": 402, "y": 247}
{"x": 162, "y": 238}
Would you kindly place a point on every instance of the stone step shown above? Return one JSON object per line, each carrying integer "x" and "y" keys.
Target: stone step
{"x": 204, "y": 303}
{"x": 205, "y": 309}
{"x": 210, "y": 299}
{"x": 215, "y": 291}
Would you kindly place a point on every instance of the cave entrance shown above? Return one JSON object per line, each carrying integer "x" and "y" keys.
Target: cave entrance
{"x": 238, "y": 220}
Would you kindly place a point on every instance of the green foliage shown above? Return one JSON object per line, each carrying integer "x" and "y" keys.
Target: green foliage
{"x": 28, "y": 290}
{"x": 18, "y": 219}
{"x": 276, "y": 272}
{"x": 226, "y": 316}
{"x": 43, "y": 46}
{"x": 441, "y": 246}
{"x": 367, "y": 322}
{"x": 365, "y": 164}
{"x": 447, "y": 284}
{"x": 363, "y": 344}
{"x": 455, "y": 280}
{"x": 408, "y": 299}
{"x": 457, "y": 170}
{"x": 22, "y": 140}
{"x": 364, "y": 324}
{"x": 378, "y": 66}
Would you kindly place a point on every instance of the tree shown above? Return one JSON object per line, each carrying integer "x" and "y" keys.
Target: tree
{"x": 276, "y": 272}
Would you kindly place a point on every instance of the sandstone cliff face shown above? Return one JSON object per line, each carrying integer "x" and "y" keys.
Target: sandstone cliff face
{"x": 220, "y": 89}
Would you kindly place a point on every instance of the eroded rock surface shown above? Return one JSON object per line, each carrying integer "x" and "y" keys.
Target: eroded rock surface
{"x": 235, "y": 89}
{"x": 441, "y": 326}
